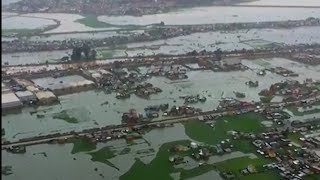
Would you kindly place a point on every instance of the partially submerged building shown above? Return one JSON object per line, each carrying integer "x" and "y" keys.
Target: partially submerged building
{"x": 10, "y": 101}
{"x": 65, "y": 85}
{"x": 26, "y": 96}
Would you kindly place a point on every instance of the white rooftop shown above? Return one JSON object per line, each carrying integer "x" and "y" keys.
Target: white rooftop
{"x": 8, "y": 98}
{"x": 24, "y": 93}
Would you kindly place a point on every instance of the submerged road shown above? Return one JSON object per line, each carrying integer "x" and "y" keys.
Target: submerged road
{"x": 46, "y": 139}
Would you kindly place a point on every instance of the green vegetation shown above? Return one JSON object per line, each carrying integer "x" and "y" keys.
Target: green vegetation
{"x": 160, "y": 165}
{"x": 25, "y": 32}
{"x": 294, "y": 137}
{"x": 105, "y": 54}
{"x": 296, "y": 112}
{"x": 199, "y": 131}
{"x": 266, "y": 99}
{"x": 102, "y": 155}
{"x": 312, "y": 177}
{"x": 237, "y": 164}
{"x": 82, "y": 145}
{"x": 63, "y": 115}
{"x": 244, "y": 146}
{"x": 92, "y": 21}
{"x": 186, "y": 174}
{"x": 274, "y": 175}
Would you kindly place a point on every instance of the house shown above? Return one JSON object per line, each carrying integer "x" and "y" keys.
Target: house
{"x": 26, "y": 96}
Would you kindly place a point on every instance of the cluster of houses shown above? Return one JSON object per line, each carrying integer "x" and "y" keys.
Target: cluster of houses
{"x": 292, "y": 90}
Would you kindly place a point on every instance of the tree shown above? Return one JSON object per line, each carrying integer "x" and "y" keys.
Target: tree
{"x": 93, "y": 54}
{"x": 86, "y": 50}
{"x": 218, "y": 53}
{"x": 76, "y": 54}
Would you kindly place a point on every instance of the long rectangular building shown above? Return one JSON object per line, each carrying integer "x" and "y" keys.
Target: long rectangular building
{"x": 10, "y": 101}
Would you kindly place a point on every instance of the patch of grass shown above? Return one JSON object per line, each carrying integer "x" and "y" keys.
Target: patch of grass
{"x": 63, "y": 115}
{"x": 199, "y": 131}
{"x": 312, "y": 177}
{"x": 82, "y": 145}
{"x": 296, "y": 112}
{"x": 244, "y": 146}
{"x": 186, "y": 174}
{"x": 268, "y": 175}
{"x": 102, "y": 155}
{"x": 294, "y": 137}
{"x": 92, "y": 21}
{"x": 240, "y": 163}
{"x": 105, "y": 54}
{"x": 237, "y": 164}
{"x": 266, "y": 99}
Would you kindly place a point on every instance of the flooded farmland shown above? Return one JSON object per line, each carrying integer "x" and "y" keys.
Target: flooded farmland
{"x": 18, "y": 22}
{"x": 161, "y": 151}
{"x": 198, "y": 41}
{"x": 209, "y": 15}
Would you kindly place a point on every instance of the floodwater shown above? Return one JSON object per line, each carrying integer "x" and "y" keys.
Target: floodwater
{"x": 228, "y": 40}
{"x": 197, "y": 41}
{"x": 33, "y": 165}
{"x": 34, "y": 57}
{"x": 207, "y": 83}
{"x": 67, "y": 22}
{"x": 18, "y": 22}
{"x": 284, "y": 2}
{"x": 216, "y": 14}
{"x": 6, "y": 2}
{"x": 94, "y": 35}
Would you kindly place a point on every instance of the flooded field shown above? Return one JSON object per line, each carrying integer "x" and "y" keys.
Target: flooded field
{"x": 227, "y": 40}
{"x": 284, "y": 2}
{"x": 208, "y": 15}
{"x": 97, "y": 35}
{"x": 210, "y": 41}
{"x": 61, "y": 162}
{"x": 67, "y": 21}
{"x": 25, "y": 23}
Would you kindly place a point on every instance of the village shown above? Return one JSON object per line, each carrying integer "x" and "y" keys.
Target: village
{"x": 123, "y": 81}
{"x": 160, "y": 89}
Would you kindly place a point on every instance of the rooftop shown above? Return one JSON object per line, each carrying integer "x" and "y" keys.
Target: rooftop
{"x": 45, "y": 95}
{"x": 61, "y": 82}
{"x": 8, "y": 98}
{"x": 24, "y": 93}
